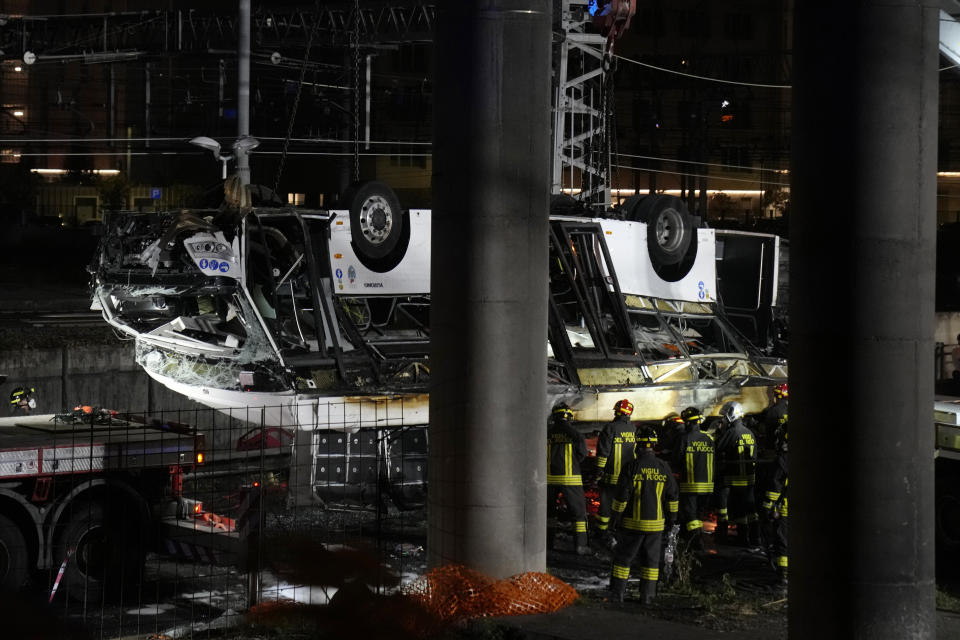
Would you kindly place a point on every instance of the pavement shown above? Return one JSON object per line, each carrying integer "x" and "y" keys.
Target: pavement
{"x": 751, "y": 604}
{"x": 608, "y": 622}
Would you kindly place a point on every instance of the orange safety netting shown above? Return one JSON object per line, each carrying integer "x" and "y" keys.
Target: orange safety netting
{"x": 454, "y": 593}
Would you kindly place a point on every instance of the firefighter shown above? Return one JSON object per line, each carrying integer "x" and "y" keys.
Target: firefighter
{"x": 720, "y": 496}
{"x": 774, "y": 416}
{"x": 670, "y": 434}
{"x": 22, "y": 400}
{"x": 614, "y": 452}
{"x": 774, "y": 508}
{"x": 566, "y": 449}
{"x": 644, "y": 506}
{"x": 694, "y": 459}
{"x": 737, "y": 464}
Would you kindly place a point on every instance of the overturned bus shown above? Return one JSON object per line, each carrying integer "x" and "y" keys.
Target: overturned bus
{"x": 321, "y": 318}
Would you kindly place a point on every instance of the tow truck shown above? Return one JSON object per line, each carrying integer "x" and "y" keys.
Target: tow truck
{"x": 90, "y": 493}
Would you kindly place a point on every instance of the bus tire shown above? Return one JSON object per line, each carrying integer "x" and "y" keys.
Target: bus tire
{"x": 376, "y": 221}
{"x": 670, "y": 228}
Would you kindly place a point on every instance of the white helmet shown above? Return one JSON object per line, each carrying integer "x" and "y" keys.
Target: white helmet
{"x": 731, "y": 411}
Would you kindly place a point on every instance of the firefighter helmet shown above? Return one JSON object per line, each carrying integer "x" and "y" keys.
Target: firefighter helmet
{"x": 623, "y": 407}
{"x": 21, "y": 394}
{"x": 692, "y": 414}
{"x": 780, "y": 391}
{"x": 672, "y": 420}
{"x": 731, "y": 411}
{"x": 646, "y": 437}
{"x": 562, "y": 412}
{"x": 22, "y": 398}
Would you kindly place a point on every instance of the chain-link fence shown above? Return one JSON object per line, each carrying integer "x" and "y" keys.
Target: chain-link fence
{"x": 180, "y": 524}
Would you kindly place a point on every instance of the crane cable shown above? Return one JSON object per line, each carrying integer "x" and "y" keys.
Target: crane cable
{"x": 355, "y": 42}
{"x": 296, "y": 104}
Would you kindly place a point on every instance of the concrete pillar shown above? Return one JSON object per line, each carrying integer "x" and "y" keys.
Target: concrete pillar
{"x": 862, "y": 233}
{"x": 491, "y": 185}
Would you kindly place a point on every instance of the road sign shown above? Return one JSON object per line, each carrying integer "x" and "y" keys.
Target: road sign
{"x": 156, "y": 193}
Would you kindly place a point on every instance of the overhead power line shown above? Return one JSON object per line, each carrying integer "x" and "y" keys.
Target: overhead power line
{"x": 703, "y": 164}
{"x": 706, "y": 78}
{"x": 701, "y": 175}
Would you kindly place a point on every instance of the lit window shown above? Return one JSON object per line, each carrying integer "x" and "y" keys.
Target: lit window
{"x": 296, "y": 199}
{"x": 18, "y": 68}
{"x": 18, "y": 113}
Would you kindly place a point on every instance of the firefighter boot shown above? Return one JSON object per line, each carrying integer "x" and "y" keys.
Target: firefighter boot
{"x": 753, "y": 534}
{"x": 693, "y": 539}
{"x": 617, "y": 588}
{"x": 720, "y": 533}
{"x": 743, "y": 536}
{"x": 648, "y": 590}
{"x": 583, "y": 549}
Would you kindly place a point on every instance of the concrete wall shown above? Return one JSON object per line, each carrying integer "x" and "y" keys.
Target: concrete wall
{"x": 105, "y": 376}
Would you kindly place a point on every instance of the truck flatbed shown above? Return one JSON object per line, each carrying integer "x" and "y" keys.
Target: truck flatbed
{"x": 44, "y": 445}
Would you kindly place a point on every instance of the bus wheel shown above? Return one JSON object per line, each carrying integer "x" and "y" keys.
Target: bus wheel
{"x": 376, "y": 221}
{"x": 669, "y": 228}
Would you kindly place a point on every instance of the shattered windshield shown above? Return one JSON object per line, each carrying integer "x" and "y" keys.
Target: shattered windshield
{"x": 703, "y": 338}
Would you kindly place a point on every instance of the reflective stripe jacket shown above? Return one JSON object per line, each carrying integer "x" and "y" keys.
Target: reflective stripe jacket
{"x": 773, "y": 419}
{"x": 647, "y": 494}
{"x": 775, "y": 416}
{"x": 737, "y": 456}
{"x": 694, "y": 458}
{"x": 566, "y": 447}
{"x": 615, "y": 448}
{"x": 775, "y": 496}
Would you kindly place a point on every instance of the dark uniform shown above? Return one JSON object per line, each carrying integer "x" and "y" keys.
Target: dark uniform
{"x": 614, "y": 452}
{"x": 647, "y": 499}
{"x": 737, "y": 465}
{"x": 772, "y": 420}
{"x": 775, "y": 507}
{"x": 695, "y": 461}
{"x": 566, "y": 448}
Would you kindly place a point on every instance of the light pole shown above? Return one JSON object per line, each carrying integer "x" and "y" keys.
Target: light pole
{"x": 241, "y": 150}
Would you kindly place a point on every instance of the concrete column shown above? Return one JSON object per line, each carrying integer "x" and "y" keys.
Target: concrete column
{"x": 862, "y": 233}
{"x": 491, "y": 185}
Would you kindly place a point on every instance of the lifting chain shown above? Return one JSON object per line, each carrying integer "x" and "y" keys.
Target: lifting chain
{"x": 355, "y": 43}
{"x": 296, "y": 104}
{"x": 610, "y": 149}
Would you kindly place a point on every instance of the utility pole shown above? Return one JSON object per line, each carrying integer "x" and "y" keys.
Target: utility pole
{"x": 243, "y": 86}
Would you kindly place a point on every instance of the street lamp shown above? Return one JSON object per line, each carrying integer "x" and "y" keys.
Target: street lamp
{"x": 241, "y": 147}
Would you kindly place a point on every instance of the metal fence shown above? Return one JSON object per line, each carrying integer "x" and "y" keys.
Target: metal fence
{"x": 181, "y": 524}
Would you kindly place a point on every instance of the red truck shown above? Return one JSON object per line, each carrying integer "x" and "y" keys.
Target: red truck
{"x": 89, "y": 493}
